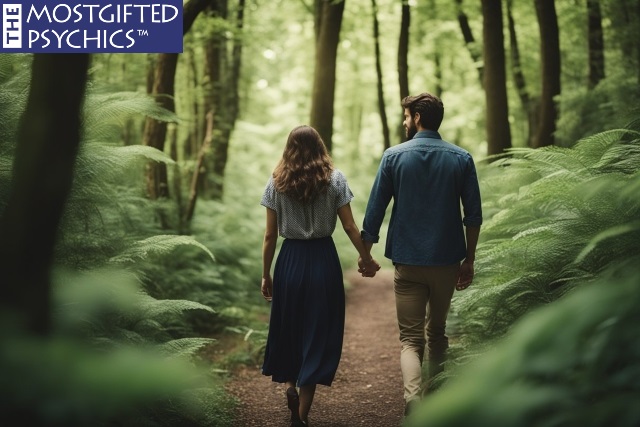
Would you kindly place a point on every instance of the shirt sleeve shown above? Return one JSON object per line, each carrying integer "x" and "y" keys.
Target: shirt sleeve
{"x": 471, "y": 203}
{"x": 381, "y": 194}
{"x": 344, "y": 194}
{"x": 269, "y": 196}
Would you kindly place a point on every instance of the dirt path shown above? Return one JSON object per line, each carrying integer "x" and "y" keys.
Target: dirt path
{"x": 367, "y": 390}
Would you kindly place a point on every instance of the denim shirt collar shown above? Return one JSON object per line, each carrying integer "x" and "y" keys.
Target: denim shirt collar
{"x": 427, "y": 134}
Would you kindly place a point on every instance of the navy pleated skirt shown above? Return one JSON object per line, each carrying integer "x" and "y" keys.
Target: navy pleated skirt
{"x": 306, "y": 326}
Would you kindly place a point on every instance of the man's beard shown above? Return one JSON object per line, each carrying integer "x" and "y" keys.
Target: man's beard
{"x": 411, "y": 131}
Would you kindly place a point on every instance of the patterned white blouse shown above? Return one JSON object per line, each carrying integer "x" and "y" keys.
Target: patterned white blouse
{"x": 312, "y": 220}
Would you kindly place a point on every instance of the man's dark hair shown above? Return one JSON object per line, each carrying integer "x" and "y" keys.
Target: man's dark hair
{"x": 430, "y": 108}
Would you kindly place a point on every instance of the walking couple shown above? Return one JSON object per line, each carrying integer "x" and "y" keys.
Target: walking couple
{"x": 430, "y": 241}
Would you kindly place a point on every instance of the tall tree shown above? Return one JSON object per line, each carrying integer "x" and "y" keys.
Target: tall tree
{"x": 469, "y": 40}
{"x": 596, "y": 43}
{"x": 226, "y": 102}
{"x": 328, "y": 25}
{"x": 48, "y": 141}
{"x": 403, "y": 59}
{"x": 518, "y": 76}
{"x": 155, "y": 131}
{"x": 162, "y": 87}
{"x": 550, "y": 58}
{"x": 495, "y": 79}
{"x": 381, "y": 103}
{"x": 433, "y": 8}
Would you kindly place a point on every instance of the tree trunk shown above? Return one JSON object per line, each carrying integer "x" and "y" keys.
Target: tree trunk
{"x": 216, "y": 60}
{"x": 470, "y": 41}
{"x": 48, "y": 140}
{"x": 550, "y": 57}
{"x": 193, "y": 187}
{"x": 403, "y": 61}
{"x": 518, "y": 77}
{"x": 381, "y": 104}
{"x": 224, "y": 95}
{"x": 596, "y": 43}
{"x": 324, "y": 76}
{"x": 495, "y": 83}
{"x": 437, "y": 90}
{"x": 155, "y": 131}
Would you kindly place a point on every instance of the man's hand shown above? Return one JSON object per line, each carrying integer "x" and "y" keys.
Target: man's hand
{"x": 368, "y": 268}
{"x": 267, "y": 288}
{"x": 465, "y": 277}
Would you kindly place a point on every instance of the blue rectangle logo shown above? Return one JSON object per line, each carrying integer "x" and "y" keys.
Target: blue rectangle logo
{"x": 98, "y": 26}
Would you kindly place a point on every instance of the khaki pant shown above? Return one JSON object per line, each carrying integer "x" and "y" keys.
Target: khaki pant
{"x": 423, "y": 295}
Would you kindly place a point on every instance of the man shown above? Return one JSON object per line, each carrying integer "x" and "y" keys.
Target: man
{"x": 427, "y": 178}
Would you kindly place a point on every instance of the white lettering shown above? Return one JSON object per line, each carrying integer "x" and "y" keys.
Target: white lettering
{"x": 111, "y": 16}
{"x": 75, "y": 10}
{"x": 59, "y": 37}
{"x": 55, "y": 10}
{"x": 38, "y": 15}
{"x": 141, "y": 7}
{"x": 33, "y": 37}
{"x": 112, "y": 42}
{"x": 129, "y": 37}
{"x": 90, "y": 7}
{"x": 164, "y": 12}
{"x": 69, "y": 40}
{"x": 87, "y": 38}
{"x": 155, "y": 10}
{"x": 126, "y": 12}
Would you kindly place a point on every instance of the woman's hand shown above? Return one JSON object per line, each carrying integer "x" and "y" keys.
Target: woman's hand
{"x": 368, "y": 268}
{"x": 267, "y": 288}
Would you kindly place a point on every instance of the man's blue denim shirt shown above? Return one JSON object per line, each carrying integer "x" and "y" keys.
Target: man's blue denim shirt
{"x": 428, "y": 178}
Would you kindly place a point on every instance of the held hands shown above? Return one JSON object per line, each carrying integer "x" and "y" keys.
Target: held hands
{"x": 267, "y": 288}
{"x": 465, "y": 277}
{"x": 368, "y": 268}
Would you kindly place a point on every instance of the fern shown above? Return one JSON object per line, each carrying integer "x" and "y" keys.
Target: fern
{"x": 105, "y": 113}
{"x": 572, "y": 363}
{"x": 150, "y": 308}
{"x": 567, "y": 217}
{"x": 157, "y": 245}
{"x": 184, "y": 347}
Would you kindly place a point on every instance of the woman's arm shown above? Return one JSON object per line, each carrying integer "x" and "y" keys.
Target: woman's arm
{"x": 268, "y": 251}
{"x": 348, "y": 223}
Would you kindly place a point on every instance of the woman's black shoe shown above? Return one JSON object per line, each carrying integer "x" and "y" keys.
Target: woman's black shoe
{"x": 293, "y": 403}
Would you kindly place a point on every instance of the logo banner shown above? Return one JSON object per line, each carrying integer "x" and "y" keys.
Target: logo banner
{"x": 91, "y": 26}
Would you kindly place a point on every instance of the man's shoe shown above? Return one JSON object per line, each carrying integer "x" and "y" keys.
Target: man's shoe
{"x": 411, "y": 406}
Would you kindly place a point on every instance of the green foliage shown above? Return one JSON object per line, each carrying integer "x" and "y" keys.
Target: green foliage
{"x": 117, "y": 353}
{"x": 62, "y": 382}
{"x": 556, "y": 217}
{"x": 610, "y": 105}
{"x": 571, "y": 363}
{"x": 162, "y": 244}
{"x": 107, "y": 112}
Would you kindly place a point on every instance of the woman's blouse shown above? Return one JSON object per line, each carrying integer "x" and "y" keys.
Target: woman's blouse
{"x": 311, "y": 220}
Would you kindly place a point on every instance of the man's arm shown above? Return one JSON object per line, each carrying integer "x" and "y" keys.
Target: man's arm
{"x": 379, "y": 198}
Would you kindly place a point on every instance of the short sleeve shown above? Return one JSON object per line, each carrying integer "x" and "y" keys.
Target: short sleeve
{"x": 343, "y": 192}
{"x": 269, "y": 196}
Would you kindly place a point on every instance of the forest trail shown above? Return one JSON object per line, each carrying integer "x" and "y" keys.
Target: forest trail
{"x": 367, "y": 390}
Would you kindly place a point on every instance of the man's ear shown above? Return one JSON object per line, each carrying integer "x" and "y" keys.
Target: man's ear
{"x": 416, "y": 119}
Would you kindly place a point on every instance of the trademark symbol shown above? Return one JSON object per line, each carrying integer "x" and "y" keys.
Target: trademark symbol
{"x": 143, "y": 32}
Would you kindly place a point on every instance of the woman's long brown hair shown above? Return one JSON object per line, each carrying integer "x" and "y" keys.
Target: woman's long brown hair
{"x": 304, "y": 170}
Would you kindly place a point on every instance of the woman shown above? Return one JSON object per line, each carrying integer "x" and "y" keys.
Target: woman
{"x": 304, "y": 197}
